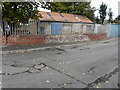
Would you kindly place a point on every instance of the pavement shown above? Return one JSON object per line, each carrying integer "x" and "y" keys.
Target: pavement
{"x": 88, "y": 65}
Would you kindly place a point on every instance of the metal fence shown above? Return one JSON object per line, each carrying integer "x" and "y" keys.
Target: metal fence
{"x": 103, "y": 28}
{"x": 46, "y": 28}
{"x": 19, "y": 28}
{"x": 99, "y": 28}
{"x": 115, "y": 30}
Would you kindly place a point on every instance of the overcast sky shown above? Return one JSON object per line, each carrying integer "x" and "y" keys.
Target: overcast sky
{"x": 110, "y": 3}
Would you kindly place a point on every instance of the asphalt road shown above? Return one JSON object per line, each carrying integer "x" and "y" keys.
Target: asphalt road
{"x": 89, "y": 66}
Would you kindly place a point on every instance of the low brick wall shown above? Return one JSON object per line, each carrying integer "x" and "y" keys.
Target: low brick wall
{"x": 23, "y": 40}
{"x": 39, "y": 39}
{"x": 98, "y": 36}
{"x": 66, "y": 38}
{"x": 2, "y": 40}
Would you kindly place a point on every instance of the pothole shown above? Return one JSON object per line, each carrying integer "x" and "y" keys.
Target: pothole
{"x": 60, "y": 49}
{"x": 48, "y": 49}
{"x": 39, "y": 66}
{"x": 59, "y": 53}
{"x": 92, "y": 69}
{"x": 74, "y": 47}
{"x": 84, "y": 48}
{"x": 81, "y": 49}
{"x": 4, "y": 74}
{"x": 13, "y": 65}
{"x": 34, "y": 69}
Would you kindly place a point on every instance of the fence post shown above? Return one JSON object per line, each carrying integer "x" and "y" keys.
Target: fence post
{"x": 17, "y": 28}
{"x": 29, "y": 27}
{"x": 109, "y": 29}
{"x": 37, "y": 28}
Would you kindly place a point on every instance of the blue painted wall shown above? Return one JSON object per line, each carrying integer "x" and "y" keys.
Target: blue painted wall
{"x": 56, "y": 28}
{"x": 114, "y": 30}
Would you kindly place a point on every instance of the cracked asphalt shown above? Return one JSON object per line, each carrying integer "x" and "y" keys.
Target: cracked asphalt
{"x": 90, "y": 66}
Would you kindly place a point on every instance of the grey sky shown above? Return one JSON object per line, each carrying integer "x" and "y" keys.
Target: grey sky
{"x": 110, "y": 3}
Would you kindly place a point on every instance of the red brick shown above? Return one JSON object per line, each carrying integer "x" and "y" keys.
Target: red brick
{"x": 24, "y": 40}
{"x": 99, "y": 36}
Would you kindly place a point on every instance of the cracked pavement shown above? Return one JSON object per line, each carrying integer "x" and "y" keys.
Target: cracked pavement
{"x": 89, "y": 66}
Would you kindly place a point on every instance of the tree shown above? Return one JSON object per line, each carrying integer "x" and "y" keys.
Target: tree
{"x": 80, "y": 8}
{"x": 13, "y": 12}
{"x": 102, "y": 12}
{"x": 97, "y": 20}
{"x": 117, "y": 20}
{"x": 19, "y": 11}
{"x": 110, "y": 14}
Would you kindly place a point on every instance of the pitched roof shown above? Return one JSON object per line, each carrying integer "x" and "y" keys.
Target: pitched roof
{"x": 63, "y": 17}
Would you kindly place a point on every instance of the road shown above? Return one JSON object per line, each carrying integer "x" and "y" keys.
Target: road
{"x": 89, "y": 66}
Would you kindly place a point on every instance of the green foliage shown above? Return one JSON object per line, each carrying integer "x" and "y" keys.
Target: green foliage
{"x": 19, "y": 11}
{"x": 110, "y": 14}
{"x": 97, "y": 20}
{"x": 102, "y": 12}
{"x": 79, "y": 8}
{"x": 117, "y": 20}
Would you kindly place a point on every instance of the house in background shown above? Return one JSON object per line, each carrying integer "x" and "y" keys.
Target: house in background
{"x": 54, "y": 23}
{"x": 53, "y": 28}
{"x": 61, "y": 23}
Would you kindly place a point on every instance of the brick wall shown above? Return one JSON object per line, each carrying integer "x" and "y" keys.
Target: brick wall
{"x": 23, "y": 40}
{"x": 98, "y": 36}
{"x": 3, "y": 40}
{"x": 39, "y": 39}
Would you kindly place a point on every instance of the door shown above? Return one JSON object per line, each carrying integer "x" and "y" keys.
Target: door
{"x": 56, "y": 28}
